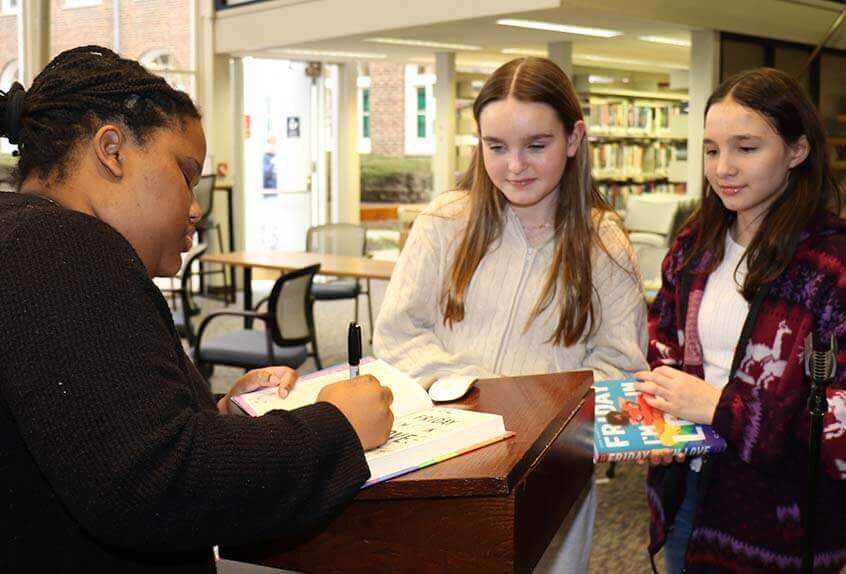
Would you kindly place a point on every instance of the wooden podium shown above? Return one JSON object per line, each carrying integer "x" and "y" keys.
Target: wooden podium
{"x": 492, "y": 510}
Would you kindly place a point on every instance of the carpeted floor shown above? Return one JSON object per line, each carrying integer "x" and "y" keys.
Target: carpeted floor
{"x": 620, "y": 536}
{"x": 622, "y": 520}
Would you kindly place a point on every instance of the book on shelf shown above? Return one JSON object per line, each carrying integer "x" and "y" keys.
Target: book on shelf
{"x": 422, "y": 435}
{"x": 627, "y": 428}
{"x": 628, "y": 159}
{"x": 623, "y": 117}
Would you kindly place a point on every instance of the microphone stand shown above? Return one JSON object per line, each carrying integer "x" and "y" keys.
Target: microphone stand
{"x": 820, "y": 367}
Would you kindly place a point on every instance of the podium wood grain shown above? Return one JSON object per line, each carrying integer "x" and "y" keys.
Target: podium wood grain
{"x": 492, "y": 510}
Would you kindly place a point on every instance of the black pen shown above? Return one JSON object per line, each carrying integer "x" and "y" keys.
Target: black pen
{"x": 354, "y": 348}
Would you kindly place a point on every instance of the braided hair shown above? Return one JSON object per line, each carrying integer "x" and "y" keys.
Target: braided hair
{"x": 78, "y": 91}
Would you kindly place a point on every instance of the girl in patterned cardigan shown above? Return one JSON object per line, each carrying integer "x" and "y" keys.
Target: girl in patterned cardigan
{"x": 761, "y": 264}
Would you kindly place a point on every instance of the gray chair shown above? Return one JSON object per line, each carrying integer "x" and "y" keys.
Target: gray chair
{"x": 204, "y": 192}
{"x": 289, "y": 329}
{"x": 649, "y": 220}
{"x": 182, "y": 303}
{"x": 340, "y": 239}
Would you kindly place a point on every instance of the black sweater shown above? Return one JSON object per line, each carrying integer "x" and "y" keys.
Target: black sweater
{"x": 113, "y": 456}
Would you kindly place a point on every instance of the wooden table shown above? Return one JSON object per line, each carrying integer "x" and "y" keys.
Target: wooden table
{"x": 335, "y": 265}
{"x": 492, "y": 510}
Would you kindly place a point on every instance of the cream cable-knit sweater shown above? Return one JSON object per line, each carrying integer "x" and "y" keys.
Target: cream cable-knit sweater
{"x": 492, "y": 338}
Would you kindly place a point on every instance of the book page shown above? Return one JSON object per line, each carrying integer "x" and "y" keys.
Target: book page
{"x": 427, "y": 425}
{"x": 409, "y": 397}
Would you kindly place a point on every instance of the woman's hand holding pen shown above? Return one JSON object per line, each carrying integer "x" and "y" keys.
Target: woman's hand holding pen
{"x": 678, "y": 393}
{"x": 366, "y": 404}
{"x": 283, "y": 377}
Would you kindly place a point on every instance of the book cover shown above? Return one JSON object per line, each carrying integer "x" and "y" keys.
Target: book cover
{"x": 627, "y": 428}
{"x": 422, "y": 435}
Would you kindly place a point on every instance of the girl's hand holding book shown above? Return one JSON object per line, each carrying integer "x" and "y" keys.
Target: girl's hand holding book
{"x": 679, "y": 393}
{"x": 281, "y": 377}
{"x": 663, "y": 458}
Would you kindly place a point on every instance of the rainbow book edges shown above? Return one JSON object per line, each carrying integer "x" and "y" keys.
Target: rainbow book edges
{"x": 627, "y": 428}
{"x": 422, "y": 435}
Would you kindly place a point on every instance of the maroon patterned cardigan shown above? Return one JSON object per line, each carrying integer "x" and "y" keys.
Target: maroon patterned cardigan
{"x": 752, "y": 496}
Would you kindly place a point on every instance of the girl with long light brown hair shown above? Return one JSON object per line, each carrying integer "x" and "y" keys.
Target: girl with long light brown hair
{"x": 524, "y": 268}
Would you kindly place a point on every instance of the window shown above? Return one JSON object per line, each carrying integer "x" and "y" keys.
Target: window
{"x": 10, "y": 6}
{"x": 164, "y": 63}
{"x": 82, "y": 3}
{"x": 141, "y": 34}
{"x": 419, "y": 110}
{"x": 10, "y": 73}
{"x": 364, "y": 142}
{"x": 365, "y": 113}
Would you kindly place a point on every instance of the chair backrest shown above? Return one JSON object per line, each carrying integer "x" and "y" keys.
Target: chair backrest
{"x": 186, "y": 292}
{"x": 290, "y": 307}
{"x": 204, "y": 192}
{"x": 649, "y": 258}
{"x": 652, "y": 213}
{"x": 337, "y": 239}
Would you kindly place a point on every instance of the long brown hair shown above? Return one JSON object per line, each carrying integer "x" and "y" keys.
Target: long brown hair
{"x": 580, "y": 206}
{"x": 811, "y": 187}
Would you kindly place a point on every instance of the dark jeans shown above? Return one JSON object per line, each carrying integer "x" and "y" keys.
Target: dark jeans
{"x": 677, "y": 538}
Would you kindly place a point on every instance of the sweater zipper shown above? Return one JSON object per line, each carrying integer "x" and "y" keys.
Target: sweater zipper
{"x": 527, "y": 264}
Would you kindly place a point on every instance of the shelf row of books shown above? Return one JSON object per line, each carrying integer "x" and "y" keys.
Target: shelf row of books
{"x": 630, "y": 118}
{"x": 618, "y": 194}
{"x": 634, "y": 161}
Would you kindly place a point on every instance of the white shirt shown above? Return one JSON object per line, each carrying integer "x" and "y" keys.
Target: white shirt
{"x": 722, "y": 314}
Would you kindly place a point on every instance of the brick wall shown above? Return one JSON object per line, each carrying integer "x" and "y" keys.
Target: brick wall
{"x": 8, "y": 39}
{"x": 387, "y": 105}
{"x": 71, "y": 27}
{"x": 145, "y": 25}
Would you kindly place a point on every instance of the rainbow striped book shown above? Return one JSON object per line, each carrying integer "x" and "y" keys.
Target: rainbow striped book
{"x": 422, "y": 435}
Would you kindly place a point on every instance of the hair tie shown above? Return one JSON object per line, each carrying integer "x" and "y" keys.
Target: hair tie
{"x": 14, "y": 111}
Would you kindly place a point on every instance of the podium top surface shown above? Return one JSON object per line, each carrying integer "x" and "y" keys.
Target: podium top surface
{"x": 536, "y": 407}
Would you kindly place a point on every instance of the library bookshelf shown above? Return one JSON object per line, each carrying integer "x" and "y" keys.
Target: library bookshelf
{"x": 638, "y": 142}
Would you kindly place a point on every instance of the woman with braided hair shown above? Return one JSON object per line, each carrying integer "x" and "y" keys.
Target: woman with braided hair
{"x": 115, "y": 457}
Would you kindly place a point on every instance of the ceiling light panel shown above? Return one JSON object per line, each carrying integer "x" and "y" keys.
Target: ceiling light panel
{"x": 665, "y": 40}
{"x": 591, "y": 58}
{"x": 563, "y": 28}
{"x": 331, "y": 54}
{"x": 525, "y": 52}
{"x": 423, "y": 44}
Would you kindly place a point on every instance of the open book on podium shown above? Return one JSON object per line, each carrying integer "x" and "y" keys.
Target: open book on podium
{"x": 422, "y": 435}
